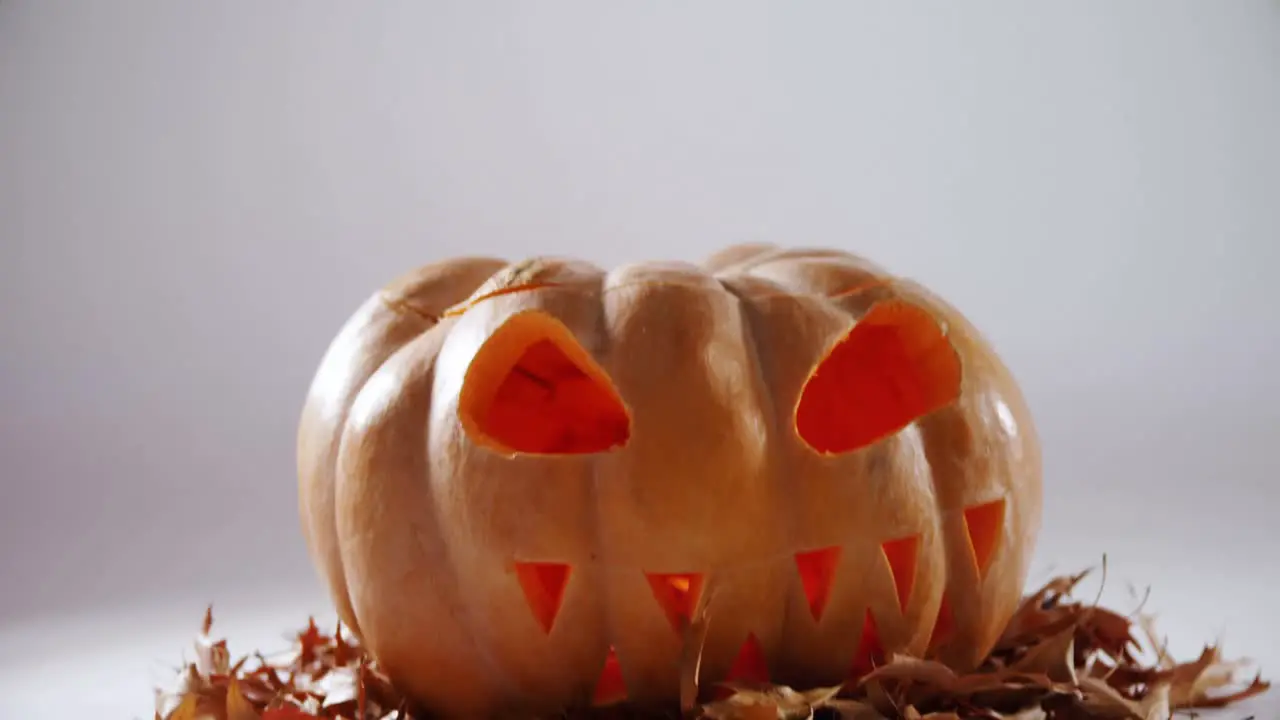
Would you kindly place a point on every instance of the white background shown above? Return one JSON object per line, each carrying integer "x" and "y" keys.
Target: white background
{"x": 193, "y": 196}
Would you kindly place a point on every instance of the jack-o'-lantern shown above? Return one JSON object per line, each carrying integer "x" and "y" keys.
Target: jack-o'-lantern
{"x": 521, "y": 480}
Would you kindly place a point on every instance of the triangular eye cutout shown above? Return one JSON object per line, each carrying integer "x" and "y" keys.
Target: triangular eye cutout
{"x": 532, "y": 388}
{"x": 894, "y": 367}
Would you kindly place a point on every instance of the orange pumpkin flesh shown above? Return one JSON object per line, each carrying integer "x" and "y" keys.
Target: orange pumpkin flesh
{"x": 894, "y": 366}
{"x": 522, "y": 481}
{"x": 532, "y": 390}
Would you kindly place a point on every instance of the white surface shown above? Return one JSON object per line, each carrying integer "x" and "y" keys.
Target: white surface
{"x": 194, "y": 196}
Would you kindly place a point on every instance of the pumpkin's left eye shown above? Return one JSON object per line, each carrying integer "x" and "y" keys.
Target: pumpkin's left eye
{"x": 533, "y": 388}
{"x": 895, "y": 366}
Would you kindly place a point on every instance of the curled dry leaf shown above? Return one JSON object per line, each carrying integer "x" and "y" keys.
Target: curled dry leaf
{"x": 1057, "y": 659}
{"x": 776, "y": 702}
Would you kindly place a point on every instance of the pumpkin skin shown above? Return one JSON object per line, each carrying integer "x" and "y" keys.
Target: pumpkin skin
{"x": 520, "y": 480}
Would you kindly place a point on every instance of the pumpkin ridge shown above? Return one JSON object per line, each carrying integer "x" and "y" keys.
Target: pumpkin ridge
{"x": 366, "y": 341}
{"x": 612, "y": 288}
{"x": 779, "y": 254}
{"x": 377, "y": 433}
{"x": 761, "y": 367}
{"x": 731, "y": 256}
{"x": 929, "y": 444}
{"x": 890, "y": 285}
{"x": 405, "y": 307}
{"x": 604, "y": 589}
{"x": 948, "y": 436}
{"x": 886, "y": 282}
{"x": 321, "y": 491}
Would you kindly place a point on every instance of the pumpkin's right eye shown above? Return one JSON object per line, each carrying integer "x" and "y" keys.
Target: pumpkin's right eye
{"x": 533, "y": 388}
{"x": 893, "y": 367}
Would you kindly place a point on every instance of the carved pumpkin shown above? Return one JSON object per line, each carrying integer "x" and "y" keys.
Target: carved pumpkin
{"x": 521, "y": 481}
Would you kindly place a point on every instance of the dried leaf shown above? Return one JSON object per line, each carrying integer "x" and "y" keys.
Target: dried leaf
{"x": 779, "y": 701}
{"x": 238, "y": 706}
{"x": 1104, "y": 702}
{"x": 1054, "y": 657}
{"x": 854, "y": 710}
{"x": 187, "y": 709}
{"x": 1057, "y": 658}
{"x": 1155, "y": 706}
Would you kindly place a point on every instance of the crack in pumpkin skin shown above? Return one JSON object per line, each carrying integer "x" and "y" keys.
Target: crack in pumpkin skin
{"x": 472, "y": 302}
{"x": 532, "y": 384}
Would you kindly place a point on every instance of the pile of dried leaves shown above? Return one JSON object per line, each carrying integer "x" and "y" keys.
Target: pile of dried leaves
{"x": 1059, "y": 659}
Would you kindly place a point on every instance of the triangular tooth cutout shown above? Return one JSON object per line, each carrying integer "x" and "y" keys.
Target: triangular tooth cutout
{"x": 870, "y": 653}
{"x": 532, "y": 388}
{"x": 750, "y": 666}
{"x": 984, "y": 524}
{"x": 817, "y": 573}
{"x": 902, "y": 556}
{"x": 610, "y": 688}
{"x": 944, "y": 624}
{"x": 543, "y": 585}
{"x": 677, "y": 594}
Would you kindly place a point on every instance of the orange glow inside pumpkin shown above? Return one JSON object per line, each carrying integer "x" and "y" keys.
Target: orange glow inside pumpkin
{"x": 677, "y": 594}
{"x": 611, "y": 687}
{"x": 543, "y": 586}
{"x": 902, "y": 556}
{"x": 943, "y": 626}
{"x": 531, "y": 388}
{"x": 870, "y": 652}
{"x": 817, "y": 570}
{"x": 749, "y": 666}
{"x": 984, "y": 525}
{"x": 893, "y": 367}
